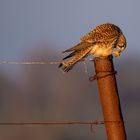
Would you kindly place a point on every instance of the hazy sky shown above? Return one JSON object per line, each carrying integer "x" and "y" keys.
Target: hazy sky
{"x": 25, "y": 23}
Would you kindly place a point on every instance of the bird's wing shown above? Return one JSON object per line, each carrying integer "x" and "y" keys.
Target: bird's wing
{"x": 104, "y": 32}
{"x": 79, "y": 46}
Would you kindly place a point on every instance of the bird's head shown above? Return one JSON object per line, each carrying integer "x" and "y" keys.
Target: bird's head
{"x": 121, "y": 44}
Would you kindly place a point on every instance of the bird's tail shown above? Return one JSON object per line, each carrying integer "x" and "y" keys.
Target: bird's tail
{"x": 68, "y": 65}
{"x": 77, "y": 56}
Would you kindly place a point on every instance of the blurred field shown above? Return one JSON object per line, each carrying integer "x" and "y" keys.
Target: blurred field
{"x": 44, "y": 93}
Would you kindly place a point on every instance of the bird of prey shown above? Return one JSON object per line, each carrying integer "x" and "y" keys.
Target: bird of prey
{"x": 102, "y": 41}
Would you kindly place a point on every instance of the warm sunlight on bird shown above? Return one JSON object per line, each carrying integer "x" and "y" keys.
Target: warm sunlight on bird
{"x": 102, "y": 41}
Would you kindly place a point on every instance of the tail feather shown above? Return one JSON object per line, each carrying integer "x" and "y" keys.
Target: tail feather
{"x": 68, "y": 65}
{"x": 60, "y": 65}
{"x": 66, "y": 68}
{"x": 77, "y": 56}
{"x": 70, "y": 55}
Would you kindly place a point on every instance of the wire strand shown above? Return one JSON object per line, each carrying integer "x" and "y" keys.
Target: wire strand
{"x": 35, "y": 62}
{"x": 30, "y": 62}
{"x": 60, "y": 123}
{"x": 54, "y": 123}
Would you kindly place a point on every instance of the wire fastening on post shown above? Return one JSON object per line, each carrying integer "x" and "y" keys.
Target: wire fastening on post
{"x": 101, "y": 74}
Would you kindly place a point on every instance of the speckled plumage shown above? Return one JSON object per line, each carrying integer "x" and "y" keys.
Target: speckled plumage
{"x": 101, "y": 42}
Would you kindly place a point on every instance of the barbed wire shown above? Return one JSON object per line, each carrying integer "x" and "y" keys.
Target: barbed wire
{"x": 37, "y": 62}
{"x": 55, "y": 123}
{"x": 90, "y": 123}
{"x": 60, "y": 123}
{"x": 31, "y": 62}
{"x": 43, "y": 63}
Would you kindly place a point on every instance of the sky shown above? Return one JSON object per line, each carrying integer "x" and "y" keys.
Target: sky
{"x": 61, "y": 23}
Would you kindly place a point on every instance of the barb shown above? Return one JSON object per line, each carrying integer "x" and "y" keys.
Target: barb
{"x": 30, "y": 63}
{"x": 85, "y": 66}
{"x": 92, "y": 129}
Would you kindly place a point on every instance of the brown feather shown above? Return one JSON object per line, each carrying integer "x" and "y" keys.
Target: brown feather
{"x": 78, "y": 47}
{"x": 68, "y": 65}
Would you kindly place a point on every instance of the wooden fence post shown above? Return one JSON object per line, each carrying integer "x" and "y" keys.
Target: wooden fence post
{"x": 109, "y": 98}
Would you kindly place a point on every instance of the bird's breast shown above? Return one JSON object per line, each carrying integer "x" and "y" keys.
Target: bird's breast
{"x": 101, "y": 50}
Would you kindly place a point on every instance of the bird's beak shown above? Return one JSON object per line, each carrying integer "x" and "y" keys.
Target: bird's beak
{"x": 120, "y": 48}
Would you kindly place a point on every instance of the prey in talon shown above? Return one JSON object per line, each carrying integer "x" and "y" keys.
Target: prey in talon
{"x": 102, "y": 41}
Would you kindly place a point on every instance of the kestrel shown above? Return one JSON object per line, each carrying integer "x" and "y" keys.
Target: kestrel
{"x": 102, "y": 41}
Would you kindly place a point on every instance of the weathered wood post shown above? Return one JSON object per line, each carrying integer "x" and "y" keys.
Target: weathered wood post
{"x": 109, "y": 98}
